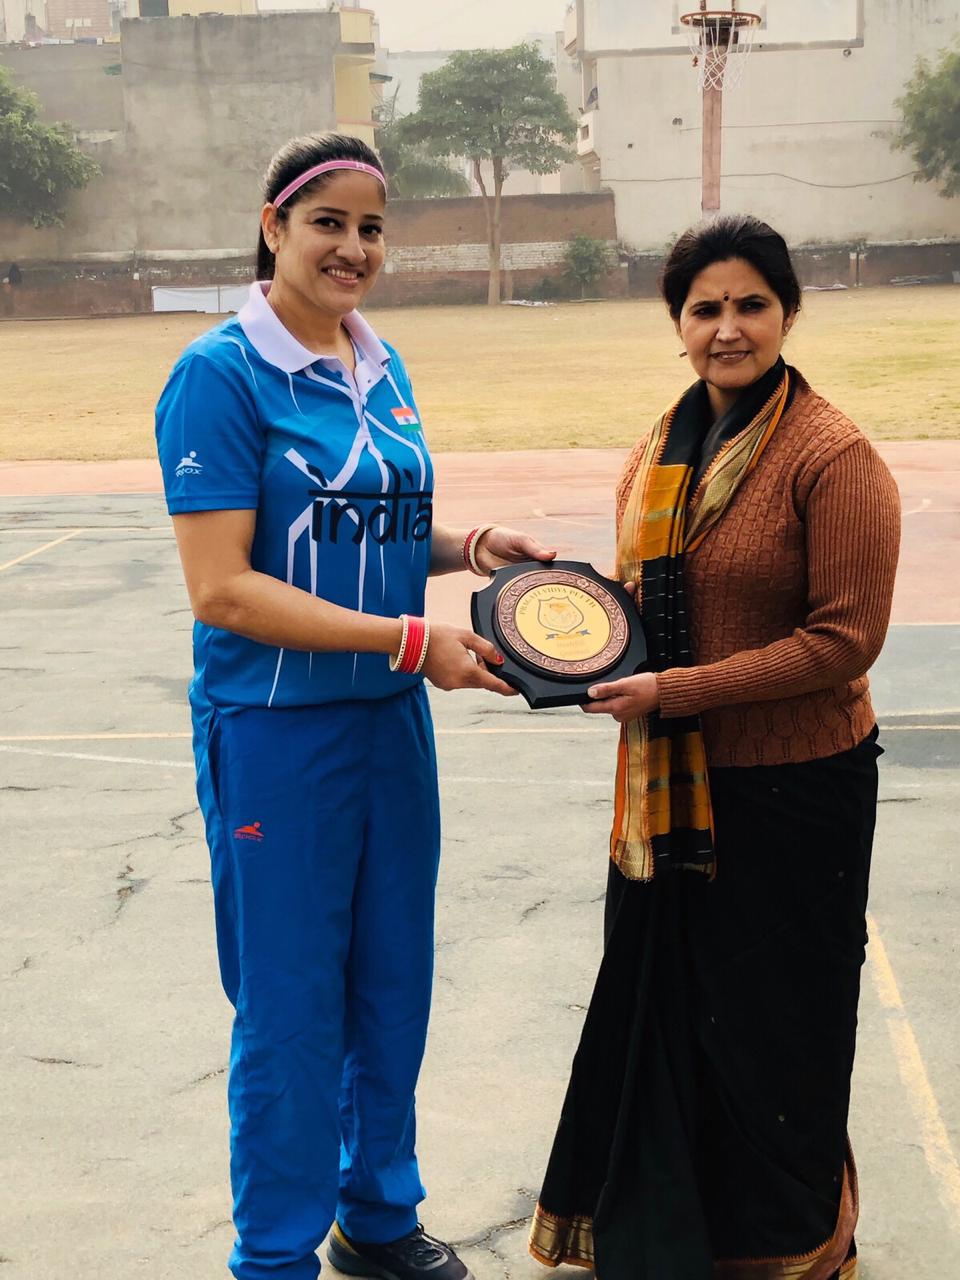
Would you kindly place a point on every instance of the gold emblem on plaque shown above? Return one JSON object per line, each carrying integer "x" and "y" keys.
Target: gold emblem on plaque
{"x": 560, "y": 615}
{"x": 562, "y": 622}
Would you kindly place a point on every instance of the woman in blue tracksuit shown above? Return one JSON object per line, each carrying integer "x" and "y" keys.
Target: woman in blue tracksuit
{"x": 301, "y": 492}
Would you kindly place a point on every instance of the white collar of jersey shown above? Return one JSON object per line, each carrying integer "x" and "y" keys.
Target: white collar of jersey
{"x": 276, "y": 344}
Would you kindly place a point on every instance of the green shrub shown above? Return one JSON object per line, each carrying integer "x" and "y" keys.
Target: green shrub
{"x": 586, "y": 261}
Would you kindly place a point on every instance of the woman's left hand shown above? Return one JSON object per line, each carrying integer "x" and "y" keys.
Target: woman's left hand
{"x": 500, "y": 546}
{"x": 626, "y": 699}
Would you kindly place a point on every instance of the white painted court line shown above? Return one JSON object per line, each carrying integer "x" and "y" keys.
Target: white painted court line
{"x": 485, "y": 729}
{"x": 28, "y": 555}
{"x": 446, "y": 778}
{"x": 188, "y": 764}
{"x": 123, "y": 493}
{"x": 919, "y": 728}
{"x": 934, "y": 1138}
{"x": 83, "y": 755}
{"x": 105, "y": 528}
{"x": 887, "y": 716}
{"x": 91, "y": 737}
{"x": 161, "y": 737}
{"x": 480, "y": 731}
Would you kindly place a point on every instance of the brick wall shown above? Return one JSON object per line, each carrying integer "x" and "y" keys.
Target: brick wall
{"x": 525, "y": 219}
{"x": 58, "y": 289}
{"x": 821, "y": 266}
{"x": 900, "y": 263}
{"x": 105, "y": 288}
{"x": 438, "y": 254}
{"x": 78, "y": 19}
{"x": 438, "y": 248}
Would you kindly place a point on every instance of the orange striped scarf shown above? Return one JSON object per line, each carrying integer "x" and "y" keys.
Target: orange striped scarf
{"x": 662, "y": 813}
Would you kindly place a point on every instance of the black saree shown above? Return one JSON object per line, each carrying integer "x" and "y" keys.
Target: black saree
{"x": 703, "y": 1136}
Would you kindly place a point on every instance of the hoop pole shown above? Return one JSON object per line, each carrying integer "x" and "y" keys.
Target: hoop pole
{"x": 712, "y": 149}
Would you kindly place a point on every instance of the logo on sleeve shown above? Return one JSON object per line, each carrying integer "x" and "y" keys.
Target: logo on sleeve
{"x": 189, "y": 466}
{"x": 405, "y": 418}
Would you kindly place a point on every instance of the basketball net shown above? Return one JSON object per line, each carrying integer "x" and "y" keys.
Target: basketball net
{"x": 720, "y": 41}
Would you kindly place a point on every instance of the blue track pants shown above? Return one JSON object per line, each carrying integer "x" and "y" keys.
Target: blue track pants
{"x": 324, "y": 831}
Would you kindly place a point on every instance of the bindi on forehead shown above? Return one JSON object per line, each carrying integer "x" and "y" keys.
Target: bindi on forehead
{"x": 699, "y": 296}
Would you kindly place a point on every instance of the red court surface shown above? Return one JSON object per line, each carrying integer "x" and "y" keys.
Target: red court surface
{"x": 565, "y": 497}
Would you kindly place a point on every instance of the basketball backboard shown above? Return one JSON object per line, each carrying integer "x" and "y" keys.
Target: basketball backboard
{"x": 653, "y": 26}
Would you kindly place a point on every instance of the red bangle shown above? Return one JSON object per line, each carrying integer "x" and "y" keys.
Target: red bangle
{"x": 470, "y": 549}
{"x": 413, "y": 646}
{"x": 424, "y": 645}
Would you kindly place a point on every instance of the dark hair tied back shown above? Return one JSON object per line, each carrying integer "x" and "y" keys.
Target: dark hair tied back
{"x": 731, "y": 235}
{"x": 296, "y": 157}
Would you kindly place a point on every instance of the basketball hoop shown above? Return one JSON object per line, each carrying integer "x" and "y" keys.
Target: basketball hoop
{"x": 720, "y": 41}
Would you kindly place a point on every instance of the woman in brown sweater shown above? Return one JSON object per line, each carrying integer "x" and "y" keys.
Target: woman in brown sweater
{"x": 703, "y": 1136}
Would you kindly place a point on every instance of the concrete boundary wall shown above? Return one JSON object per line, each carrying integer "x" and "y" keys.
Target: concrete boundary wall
{"x": 434, "y": 273}
{"x": 438, "y": 254}
{"x": 847, "y": 266}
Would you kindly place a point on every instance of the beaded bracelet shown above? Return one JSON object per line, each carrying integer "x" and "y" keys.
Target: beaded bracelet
{"x": 470, "y": 549}
{"x": 414, "y": 639}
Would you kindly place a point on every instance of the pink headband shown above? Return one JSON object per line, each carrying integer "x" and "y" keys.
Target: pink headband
{"x": 356, "y": 165}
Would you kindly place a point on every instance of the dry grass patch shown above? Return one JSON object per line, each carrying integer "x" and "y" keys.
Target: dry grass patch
{"x": 591, "y": 375}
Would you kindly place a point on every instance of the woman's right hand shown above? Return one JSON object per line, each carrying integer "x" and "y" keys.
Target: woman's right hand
{"x": 451, "y": 664}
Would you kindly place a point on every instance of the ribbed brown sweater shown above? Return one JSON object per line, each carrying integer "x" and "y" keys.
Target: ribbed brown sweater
{"x": 788, "y": 597}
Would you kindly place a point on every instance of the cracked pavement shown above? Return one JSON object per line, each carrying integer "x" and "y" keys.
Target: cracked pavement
{"x": 116, "y": 1030}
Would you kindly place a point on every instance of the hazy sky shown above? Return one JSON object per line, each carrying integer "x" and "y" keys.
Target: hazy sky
{"x": 463, "y": 24}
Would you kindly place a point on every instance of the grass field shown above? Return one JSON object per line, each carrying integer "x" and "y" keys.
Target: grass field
{"x": 590, "y": 375}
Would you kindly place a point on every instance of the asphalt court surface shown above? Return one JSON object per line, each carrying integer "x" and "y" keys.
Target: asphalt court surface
{"x": 115, "y": 1029}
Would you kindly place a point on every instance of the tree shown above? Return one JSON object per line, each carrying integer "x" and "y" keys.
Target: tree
{"x": 413, "y": 173}
{"x": 39, "y": 163}
{"x": 931, "y": 121}
{"x": 585, "y": 261}
{"x": 495, "y": 105}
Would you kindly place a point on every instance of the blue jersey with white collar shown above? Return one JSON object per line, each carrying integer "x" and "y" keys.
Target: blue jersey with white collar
{"x": 335, "y": 466}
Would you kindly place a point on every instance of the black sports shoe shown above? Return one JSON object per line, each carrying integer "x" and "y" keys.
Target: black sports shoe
{"x": 416, "y": 1256}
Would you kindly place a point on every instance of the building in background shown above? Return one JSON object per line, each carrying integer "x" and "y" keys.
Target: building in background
{"x": 358, "y": 76}
{"x": 406, "y": 70}
{"x": 22, "y": 20}
{"x": 182, "y": 119}
{"x": 358, "y": 79}
{"x": 78, "y": 19}
{"x": 805, "y": 138}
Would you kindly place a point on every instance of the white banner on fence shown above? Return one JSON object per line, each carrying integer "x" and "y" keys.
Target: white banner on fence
{"x": 212, "y": 299}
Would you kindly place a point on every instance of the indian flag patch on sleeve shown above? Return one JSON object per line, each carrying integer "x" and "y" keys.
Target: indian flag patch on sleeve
{"x": 405, "y": 418}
